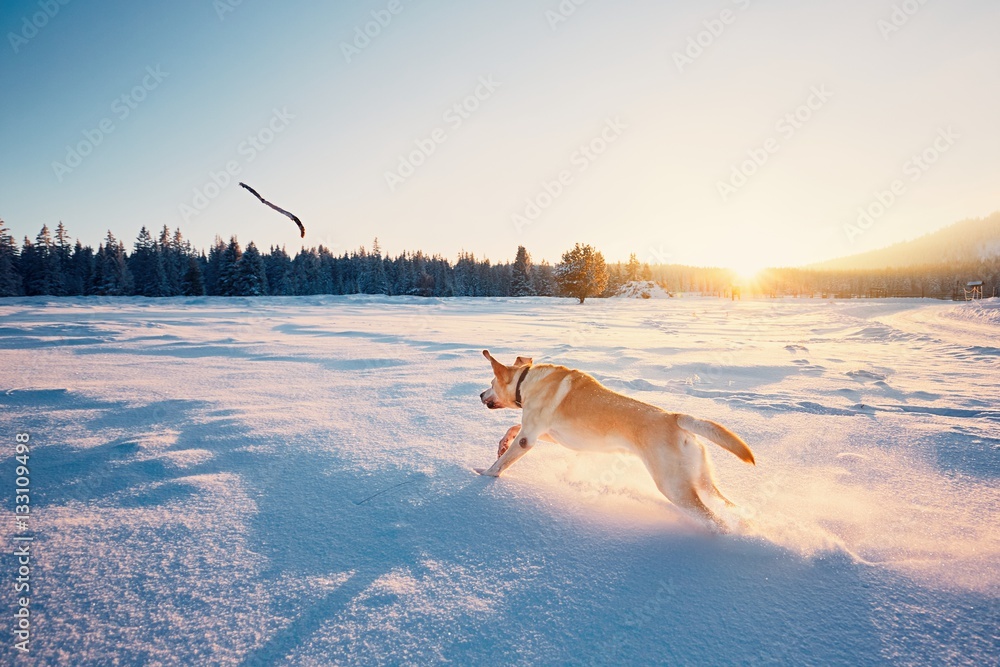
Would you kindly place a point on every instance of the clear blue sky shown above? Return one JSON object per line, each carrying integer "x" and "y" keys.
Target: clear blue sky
{"x": 668, "y": 132}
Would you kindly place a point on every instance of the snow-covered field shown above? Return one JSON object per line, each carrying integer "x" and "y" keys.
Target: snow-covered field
{"x": 289, "y": 481}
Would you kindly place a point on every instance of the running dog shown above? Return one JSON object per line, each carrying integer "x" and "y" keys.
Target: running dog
{"x": 571, "y": 408}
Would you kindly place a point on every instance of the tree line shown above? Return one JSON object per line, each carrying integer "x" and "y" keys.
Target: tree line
{"x": 168, "y": 265}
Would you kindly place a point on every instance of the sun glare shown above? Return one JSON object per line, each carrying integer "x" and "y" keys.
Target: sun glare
{"x": 746, "y": 273}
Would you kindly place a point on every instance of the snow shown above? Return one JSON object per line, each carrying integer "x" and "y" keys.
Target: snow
{"x": 984, "y": 312}
{"x": 641, "y": 289}
{"x": 289, "y": 481}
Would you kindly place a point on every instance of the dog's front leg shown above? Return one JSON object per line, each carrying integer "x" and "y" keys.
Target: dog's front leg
{"x": 525, "y": 441}
{"x": 507, "y": 439}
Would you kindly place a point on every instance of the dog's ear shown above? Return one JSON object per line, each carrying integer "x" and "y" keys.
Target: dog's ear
{"x": 501, "y": 371}
{"x": 522, "y": 361}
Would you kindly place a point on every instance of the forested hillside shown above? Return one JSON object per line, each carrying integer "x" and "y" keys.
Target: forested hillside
{"x": 964, "y": 242}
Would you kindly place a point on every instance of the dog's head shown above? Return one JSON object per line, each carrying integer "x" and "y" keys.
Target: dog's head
{"x": 504, "y": 386}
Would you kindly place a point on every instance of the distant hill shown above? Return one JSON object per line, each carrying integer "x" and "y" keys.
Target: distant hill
{"x": 969, "y": 241}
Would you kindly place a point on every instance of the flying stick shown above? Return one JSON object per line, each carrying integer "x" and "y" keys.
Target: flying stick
{"x": 294, "y": 218}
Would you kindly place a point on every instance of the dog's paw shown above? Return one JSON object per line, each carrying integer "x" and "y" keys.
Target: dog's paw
{"x": 485, "y": 472}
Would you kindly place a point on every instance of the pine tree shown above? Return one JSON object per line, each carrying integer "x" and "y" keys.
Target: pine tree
{"x": 543, "y": 280}
{"x": 466, "y": 278}
{"x": 371, "y": 271}
{"x": 175, "y": 262}
{"x": 251, "y": 276}
{"x": 146, "y": 265}
{"x": 444, "y": 280}
{"x": 97, "y": 279}
{"x": 40, "y": 266}
{"x": 325, "y": 271}
{"x": 10, "y": 277}
{"x": 193, "y": 285}
{"x": 28, "y": 266}
{"x": 62, "y": 254}
{"x": 632, "y": 268}
{"x": 616, "y": 278}
{"x": 521, "y": 284}
{"x": 80, "y": 277}
{"x": 228, "y": 267}
{"x": 278, "y": 266}
{"x": 115, "y": 276}
{"x": 213, "y": 266}
{"x": 305, "y": 270}
{"x": 582, "y": 272}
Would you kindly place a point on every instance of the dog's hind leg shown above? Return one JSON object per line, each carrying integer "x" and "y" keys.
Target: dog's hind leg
{"x": 707, "y": 479}
{"x": 681, "y": 491}
{"x": 718, "y": 494}
{"x": 689, "y": 499}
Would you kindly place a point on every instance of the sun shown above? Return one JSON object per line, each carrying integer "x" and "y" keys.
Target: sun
{"x": 747, "y": 272}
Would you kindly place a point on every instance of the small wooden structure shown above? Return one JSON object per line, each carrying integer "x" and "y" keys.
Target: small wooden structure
{"x": 973, "y": 290}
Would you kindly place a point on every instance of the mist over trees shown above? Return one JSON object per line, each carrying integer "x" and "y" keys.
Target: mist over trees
{"x": 166, "y": 264}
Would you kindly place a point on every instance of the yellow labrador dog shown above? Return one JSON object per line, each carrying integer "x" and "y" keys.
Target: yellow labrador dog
{"x": 573, "y": 409}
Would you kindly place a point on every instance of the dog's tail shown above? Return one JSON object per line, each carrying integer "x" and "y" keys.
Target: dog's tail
{"x": 718, "y": 434}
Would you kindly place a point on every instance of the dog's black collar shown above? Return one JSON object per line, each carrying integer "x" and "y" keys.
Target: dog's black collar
{"x": 517, "y": 389}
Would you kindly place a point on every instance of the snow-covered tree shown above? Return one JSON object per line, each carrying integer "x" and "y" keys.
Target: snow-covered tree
{"x": 543, "y": 280}
{"x": 582, "y": 272}
{"x": 520, "y": 280}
